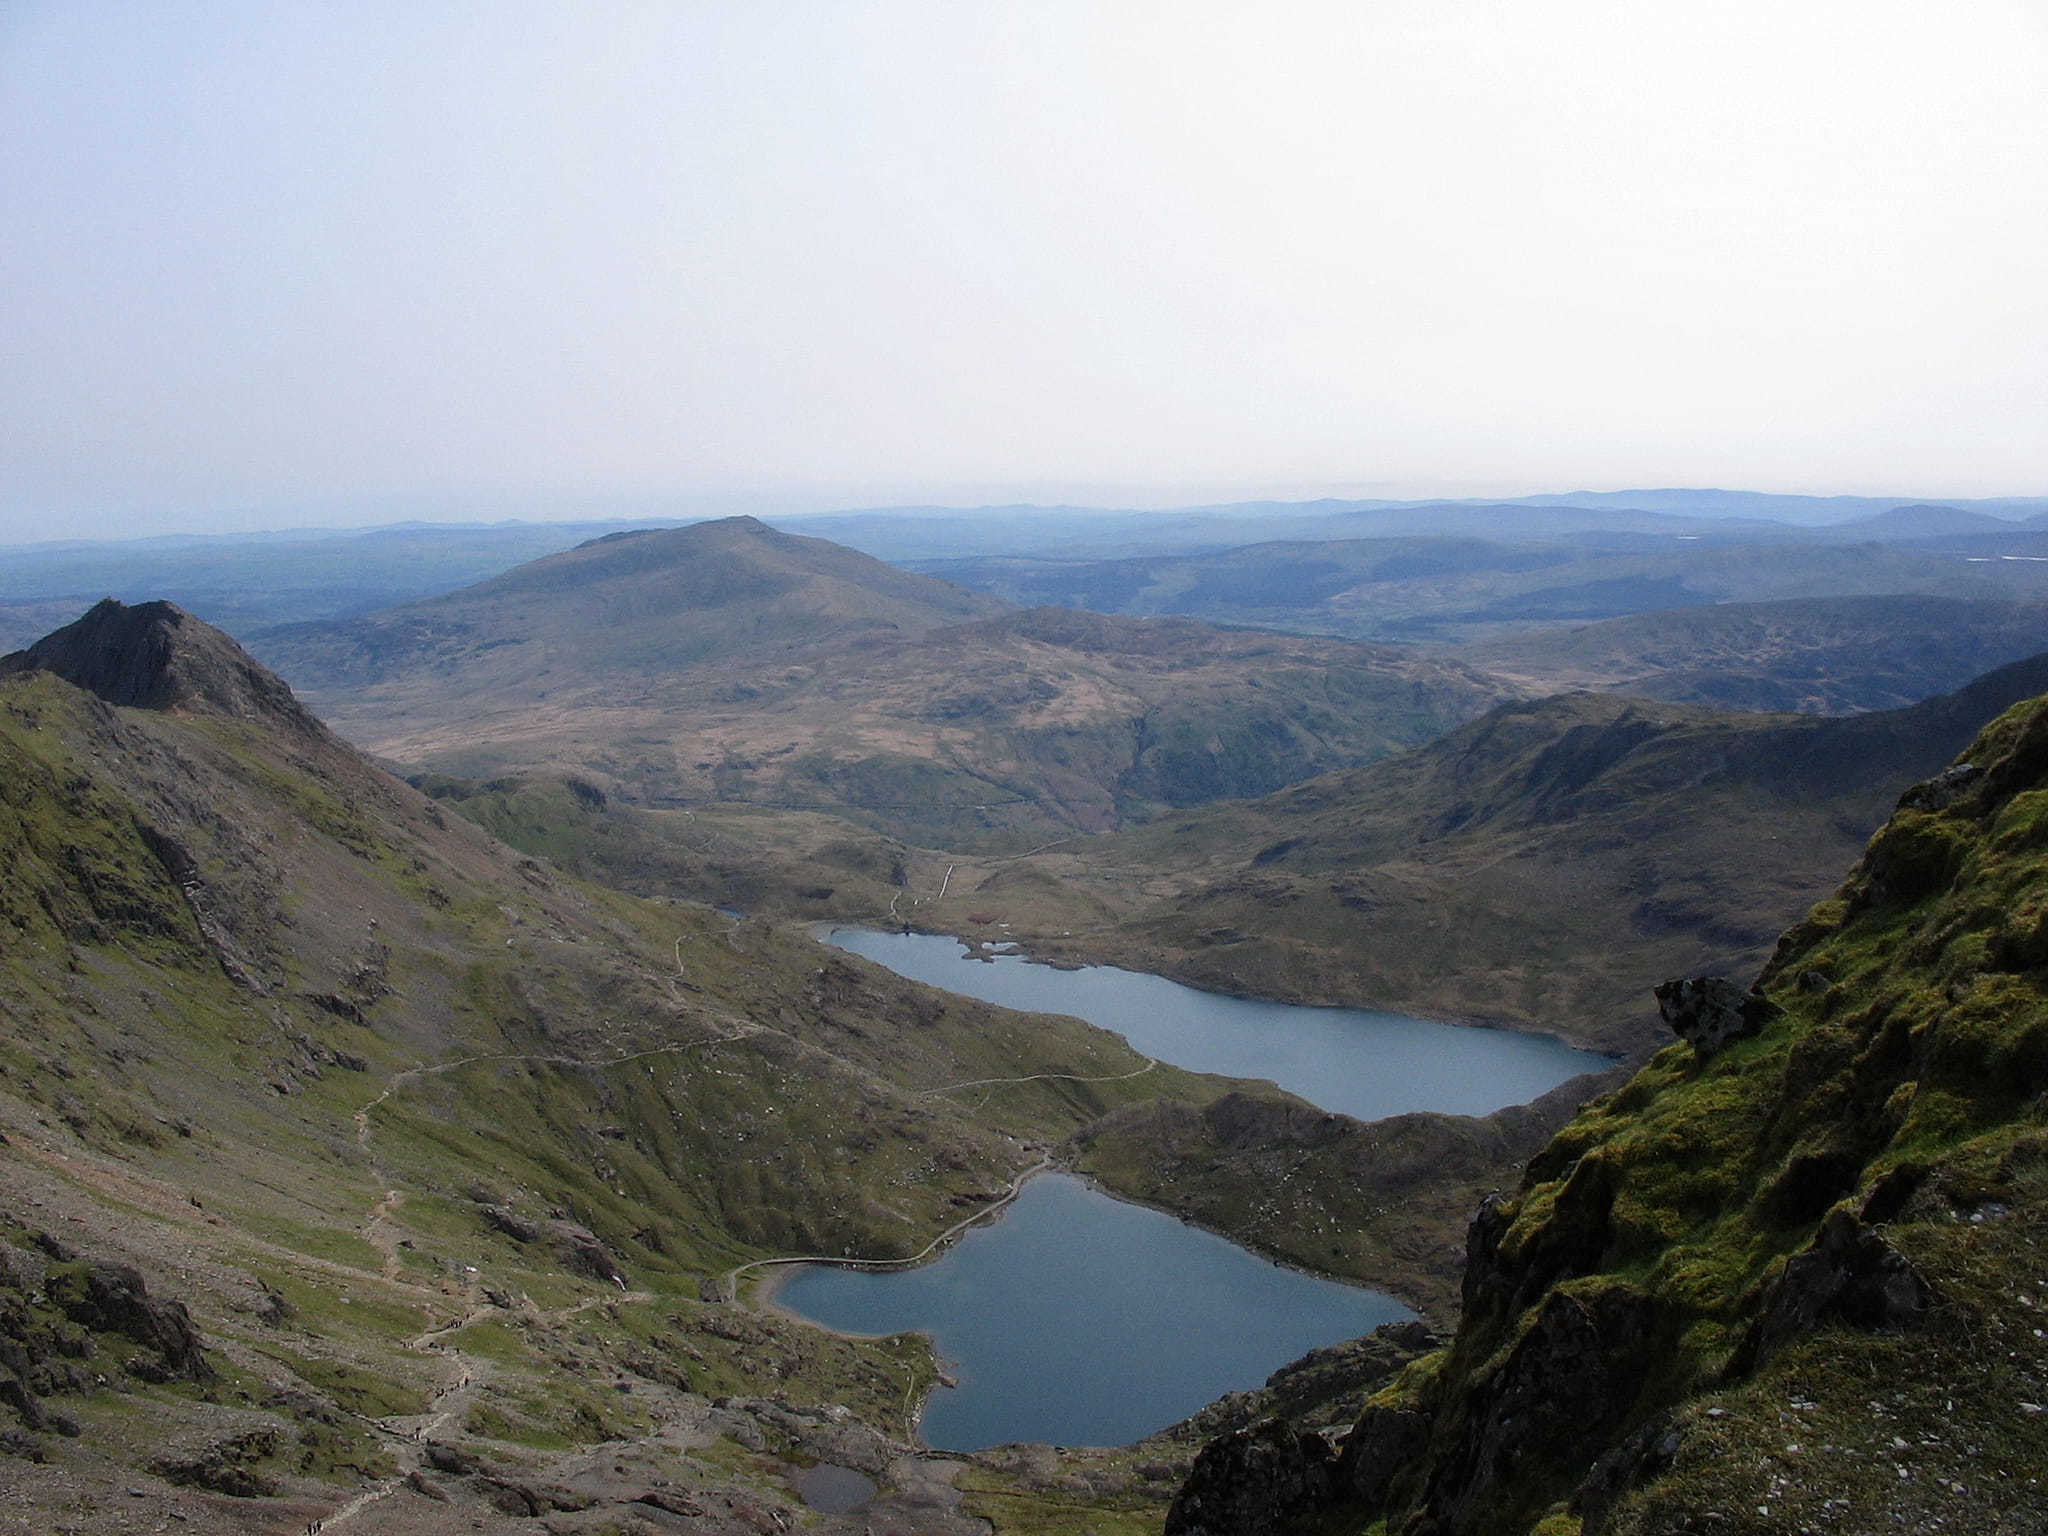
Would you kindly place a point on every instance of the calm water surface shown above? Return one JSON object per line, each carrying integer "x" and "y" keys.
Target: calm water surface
{"x": 1352, "y": 1060}
{"x": 1081, "y": 1320}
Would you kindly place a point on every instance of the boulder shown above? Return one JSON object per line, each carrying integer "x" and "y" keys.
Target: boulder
{"x": 1848, "y": 1273}
{"x": 112, "y": 1298}
{"x": 1710, "y": 1012}
{"x": 1253, "y": 1482}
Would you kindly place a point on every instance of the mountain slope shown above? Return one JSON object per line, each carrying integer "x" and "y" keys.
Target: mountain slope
{"x": 1790, "y": 1284}
{"x": 728, "y": 663}
{"x": 637, "y": 602}
{"x": 442, "y": 1150}
{"x": 1542, "y": 866}
{"x": 1813, "y": 656}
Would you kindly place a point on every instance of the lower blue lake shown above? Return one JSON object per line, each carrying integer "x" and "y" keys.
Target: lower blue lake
{"x": 1077, "y": 1319}
{"x": 1353, "y": 1060}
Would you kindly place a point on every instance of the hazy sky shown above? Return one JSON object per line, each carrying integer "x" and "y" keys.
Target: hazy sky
{"x": 284, "y": 261}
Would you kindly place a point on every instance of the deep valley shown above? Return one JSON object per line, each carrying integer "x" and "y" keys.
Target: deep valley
{"x": 411, "y": 1056}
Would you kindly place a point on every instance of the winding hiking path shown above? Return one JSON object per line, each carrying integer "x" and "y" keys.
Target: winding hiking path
{"x": 1042, "y": 1077}
{"x": 730, "y": 1284}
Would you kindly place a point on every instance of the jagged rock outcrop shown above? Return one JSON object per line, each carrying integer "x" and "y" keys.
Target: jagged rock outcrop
{"x": 1710, "y": 1012}
{"x": 1381, "y": 1444}
{"x": 1644, "y": 1454}
{"x": 112, "y": 1298}
{"x": 157, "y": 656}
{"x": 1848, "y": 1272}
{"x": 53, "y": 1303}
{"x": 1254, "y": 1481}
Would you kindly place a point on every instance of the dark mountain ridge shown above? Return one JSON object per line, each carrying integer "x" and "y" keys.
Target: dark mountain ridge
{"x": 157, "y": 656}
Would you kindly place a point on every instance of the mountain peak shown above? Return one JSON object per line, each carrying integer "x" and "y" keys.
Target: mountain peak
{"x": 157, "y": 656}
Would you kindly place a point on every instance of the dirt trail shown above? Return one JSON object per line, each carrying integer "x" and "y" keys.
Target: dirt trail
{"x": 730, "y": 1284}
{"x": 1041, "y": 1077}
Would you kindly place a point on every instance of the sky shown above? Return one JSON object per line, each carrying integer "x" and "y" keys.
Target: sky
{"x": 265, "y": 265}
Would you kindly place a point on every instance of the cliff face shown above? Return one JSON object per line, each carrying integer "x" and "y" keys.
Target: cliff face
{"x": 1796, "y": 1282}
{"x": 157, "y": 656}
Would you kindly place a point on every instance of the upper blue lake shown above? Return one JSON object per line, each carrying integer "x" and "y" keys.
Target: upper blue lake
{"x": 1354, "y": 1060}
{"x": 1082, "y": 1320}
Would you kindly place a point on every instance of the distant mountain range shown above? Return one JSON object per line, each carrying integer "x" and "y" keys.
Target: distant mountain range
{"x": 729, "y": 661}
{"x": 246, "y": 582}
{"x": 1440, "y": 589}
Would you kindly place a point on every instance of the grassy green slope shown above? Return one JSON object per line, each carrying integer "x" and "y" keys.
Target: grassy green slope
{"x": 1708, "y": 1253}
{"x": 389, "y": 1107}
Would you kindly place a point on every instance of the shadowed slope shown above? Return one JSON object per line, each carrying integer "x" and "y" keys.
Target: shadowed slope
{"x": 1544, "y": 865}
{"x": 1792, "y": 1285}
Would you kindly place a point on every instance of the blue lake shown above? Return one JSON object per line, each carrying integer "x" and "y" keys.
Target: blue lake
{"x": 1081, "y": 1320}
{"x": 1353, "y": 1060}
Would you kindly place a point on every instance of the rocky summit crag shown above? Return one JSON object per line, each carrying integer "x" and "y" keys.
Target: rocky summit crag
{"x": 157, "y": 656}
{"x": 1795, "y": 1283}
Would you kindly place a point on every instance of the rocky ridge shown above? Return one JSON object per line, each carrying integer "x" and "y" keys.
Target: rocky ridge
{"x": 157, "y": 656}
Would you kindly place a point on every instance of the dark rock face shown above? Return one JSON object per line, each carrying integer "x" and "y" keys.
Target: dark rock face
{"x": 1254, "y": 1482}
{"x": 1643, "y": 1455}
{"x": 1569, "y": 1244}
{"x": 50, "y": 1307}
{"x": 1941, "y": 791}
{"x": 225, "y": 1466}
{"x": 1572, "y": 1379}
{"x": 504, "y": 1219}
{"x": 113, "y": 1299}
{"x": 584, "y": 1251}
{"x": 157, "y": 656}
{"x": 1709, "y": 1012}
{"x": 1380, "y": 1445}
{"x": 1848, "y": 1272}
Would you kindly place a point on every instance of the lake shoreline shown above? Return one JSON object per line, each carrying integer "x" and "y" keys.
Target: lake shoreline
{"x": 766, "y": 1294}
{"x": 1070, "y": 953}
{"x": 1369, "y": 1064}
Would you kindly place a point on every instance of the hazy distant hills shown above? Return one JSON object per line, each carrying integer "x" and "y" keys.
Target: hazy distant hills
{"x": 1440, "y": 590}
{"x": 730, "y": 662}
{"x": 244, "y": 582}
{"x": 633, "y": 602}
{"x": 247, "y": 582}
{"x": 1547, "y": 864}
{"x": 1779, "y": 506}
{"x": 1813, "y": 656}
